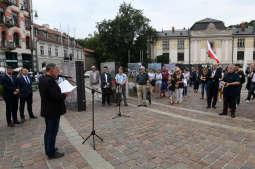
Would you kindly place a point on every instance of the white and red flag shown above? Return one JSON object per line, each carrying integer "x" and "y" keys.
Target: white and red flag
{"x": 212, "y": 54}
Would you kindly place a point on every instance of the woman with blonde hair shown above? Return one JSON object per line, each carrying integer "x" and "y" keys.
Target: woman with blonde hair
{"x": 179, "y": 85}
{"x": 158, "y": 78}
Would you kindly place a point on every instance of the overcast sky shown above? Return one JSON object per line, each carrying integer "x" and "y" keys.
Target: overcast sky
{"x": 79, "y": 17}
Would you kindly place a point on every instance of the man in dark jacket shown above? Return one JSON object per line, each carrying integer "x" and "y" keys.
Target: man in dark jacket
{"x": 52, "y": 107}
{"x": 26, "y": 94}
{"x": 10, "y": 96}
{"x": 106, "y": 85}
{"x": 231, "y": 84}
{"x": 213, "y": 77}
{"x": 141, "y": 81}
{"x": 242, "y": 81}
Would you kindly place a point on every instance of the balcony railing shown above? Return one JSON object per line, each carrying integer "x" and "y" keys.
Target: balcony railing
{"x": 9, "y": 2}
{"x": 7, "y": 46}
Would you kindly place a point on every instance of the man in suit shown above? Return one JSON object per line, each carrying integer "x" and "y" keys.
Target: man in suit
{"x": 52, "y": 107}
{"x": 106, "y": 85}
{"x": 10, "y": 96}
{"x": 213, "y": 77}
{"x": 26, "y": 94}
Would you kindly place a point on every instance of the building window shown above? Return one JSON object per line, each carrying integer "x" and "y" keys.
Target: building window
{"x": 49, "y": 51}
{"x": 65, "y": 55}
{"x": 165, "y": 44}
{"x": 1, "y": 15}
{"x": 56, "y": 51}
{"x": 254, "y": 43}
{"x": 27, "y": 42}
{"x": 26, "y": 5}
{"x": 3, "y": 40}
{"x": 180, "y": 44}
{"x": 253, "y": 55}
{"x": 42, "y": 50}
{"x": 241, "y": 43}
{"x": 27, "y": 23}
{"x": 16, "y": 39}
{"x": 240, "y": 55}
{"x": 15, "y": 18}
{"x": 71, "y": 56}
{"x": 180, "y": 57}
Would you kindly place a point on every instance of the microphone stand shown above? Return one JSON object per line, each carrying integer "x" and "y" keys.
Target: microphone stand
{"x": 118, "y": 95}
{"x": 93, "y": 132}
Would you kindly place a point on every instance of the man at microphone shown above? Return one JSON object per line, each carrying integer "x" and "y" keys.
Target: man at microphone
{"x": 121, "y": 81}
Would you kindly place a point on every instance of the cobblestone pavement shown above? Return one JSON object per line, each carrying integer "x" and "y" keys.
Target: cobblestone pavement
{"x": 161, "y": 136}
{"x": 22, "y": 146}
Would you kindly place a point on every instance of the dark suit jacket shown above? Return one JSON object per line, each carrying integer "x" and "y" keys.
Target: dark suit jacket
{"x": 9, "y": 86}
{"x": 52, "y": 100}
{"x": 214, "y": 82}
{"x": 103, "y": 80}
{"x": 24, "y": 88}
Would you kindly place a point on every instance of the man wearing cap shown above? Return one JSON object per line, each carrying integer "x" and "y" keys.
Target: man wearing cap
{"x": 10, "y": 95}
{"x": 141, "y": 81}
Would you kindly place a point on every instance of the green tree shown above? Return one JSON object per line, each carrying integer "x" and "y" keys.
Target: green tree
{"x": 128, "y": 31}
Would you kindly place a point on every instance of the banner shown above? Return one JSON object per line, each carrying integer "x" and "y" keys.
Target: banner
{"x": 154, "y": 66}
{"x": 133, "y": 69}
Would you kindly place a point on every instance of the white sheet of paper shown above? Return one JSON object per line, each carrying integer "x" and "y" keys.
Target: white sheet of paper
{"x": 65, "y": 86}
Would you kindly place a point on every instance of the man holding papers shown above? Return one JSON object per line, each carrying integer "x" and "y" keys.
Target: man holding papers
{"x": 52, "y": 107}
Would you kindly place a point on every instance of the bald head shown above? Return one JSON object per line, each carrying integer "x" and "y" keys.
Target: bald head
{"x": 230, "y": 68}
{"x": 93, "y": 68}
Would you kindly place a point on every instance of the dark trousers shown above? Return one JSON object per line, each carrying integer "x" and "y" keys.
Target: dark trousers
{"x": 52, "y": 126}
{"x": 106, "y": 95}
{"x": 204, "y": 89}
{"x": 238, "y": 98}
{"x": 229, "y": 102}
{"x": 212, "y": 96}
{"x": 148, "y": 96}
{"x": 185, "y": 90}
{"x": 29, "y": 100}
{"x": 251, "y": 91}
{"x": 11, "y": 109}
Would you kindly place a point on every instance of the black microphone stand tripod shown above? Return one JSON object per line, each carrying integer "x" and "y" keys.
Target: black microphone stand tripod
{"x": 118, "y": 96}
{"x": 93, "y": 132}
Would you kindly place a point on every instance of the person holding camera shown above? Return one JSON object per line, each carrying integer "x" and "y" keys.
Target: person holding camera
{"x": 121, "y": 81}
{"x": 231, "y": 82}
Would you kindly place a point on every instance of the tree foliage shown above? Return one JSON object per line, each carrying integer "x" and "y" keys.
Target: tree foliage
{"x": 128, "y": 31}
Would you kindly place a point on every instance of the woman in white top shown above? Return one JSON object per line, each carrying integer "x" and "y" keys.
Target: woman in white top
{"x": 158, "y": 78}
{"x": 151, "y": 75}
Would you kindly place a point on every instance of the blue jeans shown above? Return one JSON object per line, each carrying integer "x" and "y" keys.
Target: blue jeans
{"x": 204, "y": 89}
{"x": 52, "y": 126}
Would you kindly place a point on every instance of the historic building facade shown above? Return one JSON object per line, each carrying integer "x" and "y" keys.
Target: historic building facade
{"x": 55, "y": 47}
{"x": 235, "y": 45}
{"x": 15, "y": 33}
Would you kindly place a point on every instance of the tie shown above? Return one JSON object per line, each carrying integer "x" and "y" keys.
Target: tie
{"x": 27, "y": 80}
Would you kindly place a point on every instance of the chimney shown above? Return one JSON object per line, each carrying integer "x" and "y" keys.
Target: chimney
{"x": 243, "y": 26}
{"x": 172, "y": 29}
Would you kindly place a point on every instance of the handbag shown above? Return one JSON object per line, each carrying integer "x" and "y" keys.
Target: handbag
{"x": 153, "y": 82}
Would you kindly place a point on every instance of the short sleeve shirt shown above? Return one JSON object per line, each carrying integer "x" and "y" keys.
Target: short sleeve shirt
{"x": 231, "y": 90}
{"x": 120, "y": 78}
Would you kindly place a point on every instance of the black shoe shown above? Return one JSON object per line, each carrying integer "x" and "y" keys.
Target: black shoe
{"x": 11, "y": 125}
{"x": 33, "y": 117}
{"x": 223, "y": 114}
{"x": 17, "y": 122}
{"x": 126, "y": 104}
{"x": 208, "y": 107}
{"x": 214, "y": 107}
{"x": 139, "y": 105}
{"x": 56, "y": 155}
{"x": 145, "y": 105}
{"x": 233, "y": 115}
{"x": 109, "y": 104}
{"x": 23, "y": 120}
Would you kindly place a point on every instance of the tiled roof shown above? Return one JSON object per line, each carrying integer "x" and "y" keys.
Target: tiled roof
{"x": 176, "y": 33}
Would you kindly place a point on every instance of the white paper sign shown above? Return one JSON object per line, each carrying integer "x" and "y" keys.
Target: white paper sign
{"x": 65, "y": 86}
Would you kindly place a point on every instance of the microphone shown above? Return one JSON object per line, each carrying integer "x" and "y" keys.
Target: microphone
{"x": 64, "y": 76}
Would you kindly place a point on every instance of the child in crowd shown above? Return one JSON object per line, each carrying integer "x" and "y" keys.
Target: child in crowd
{"x": 148, "y": 91}
{"x": 171, "y": 88}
